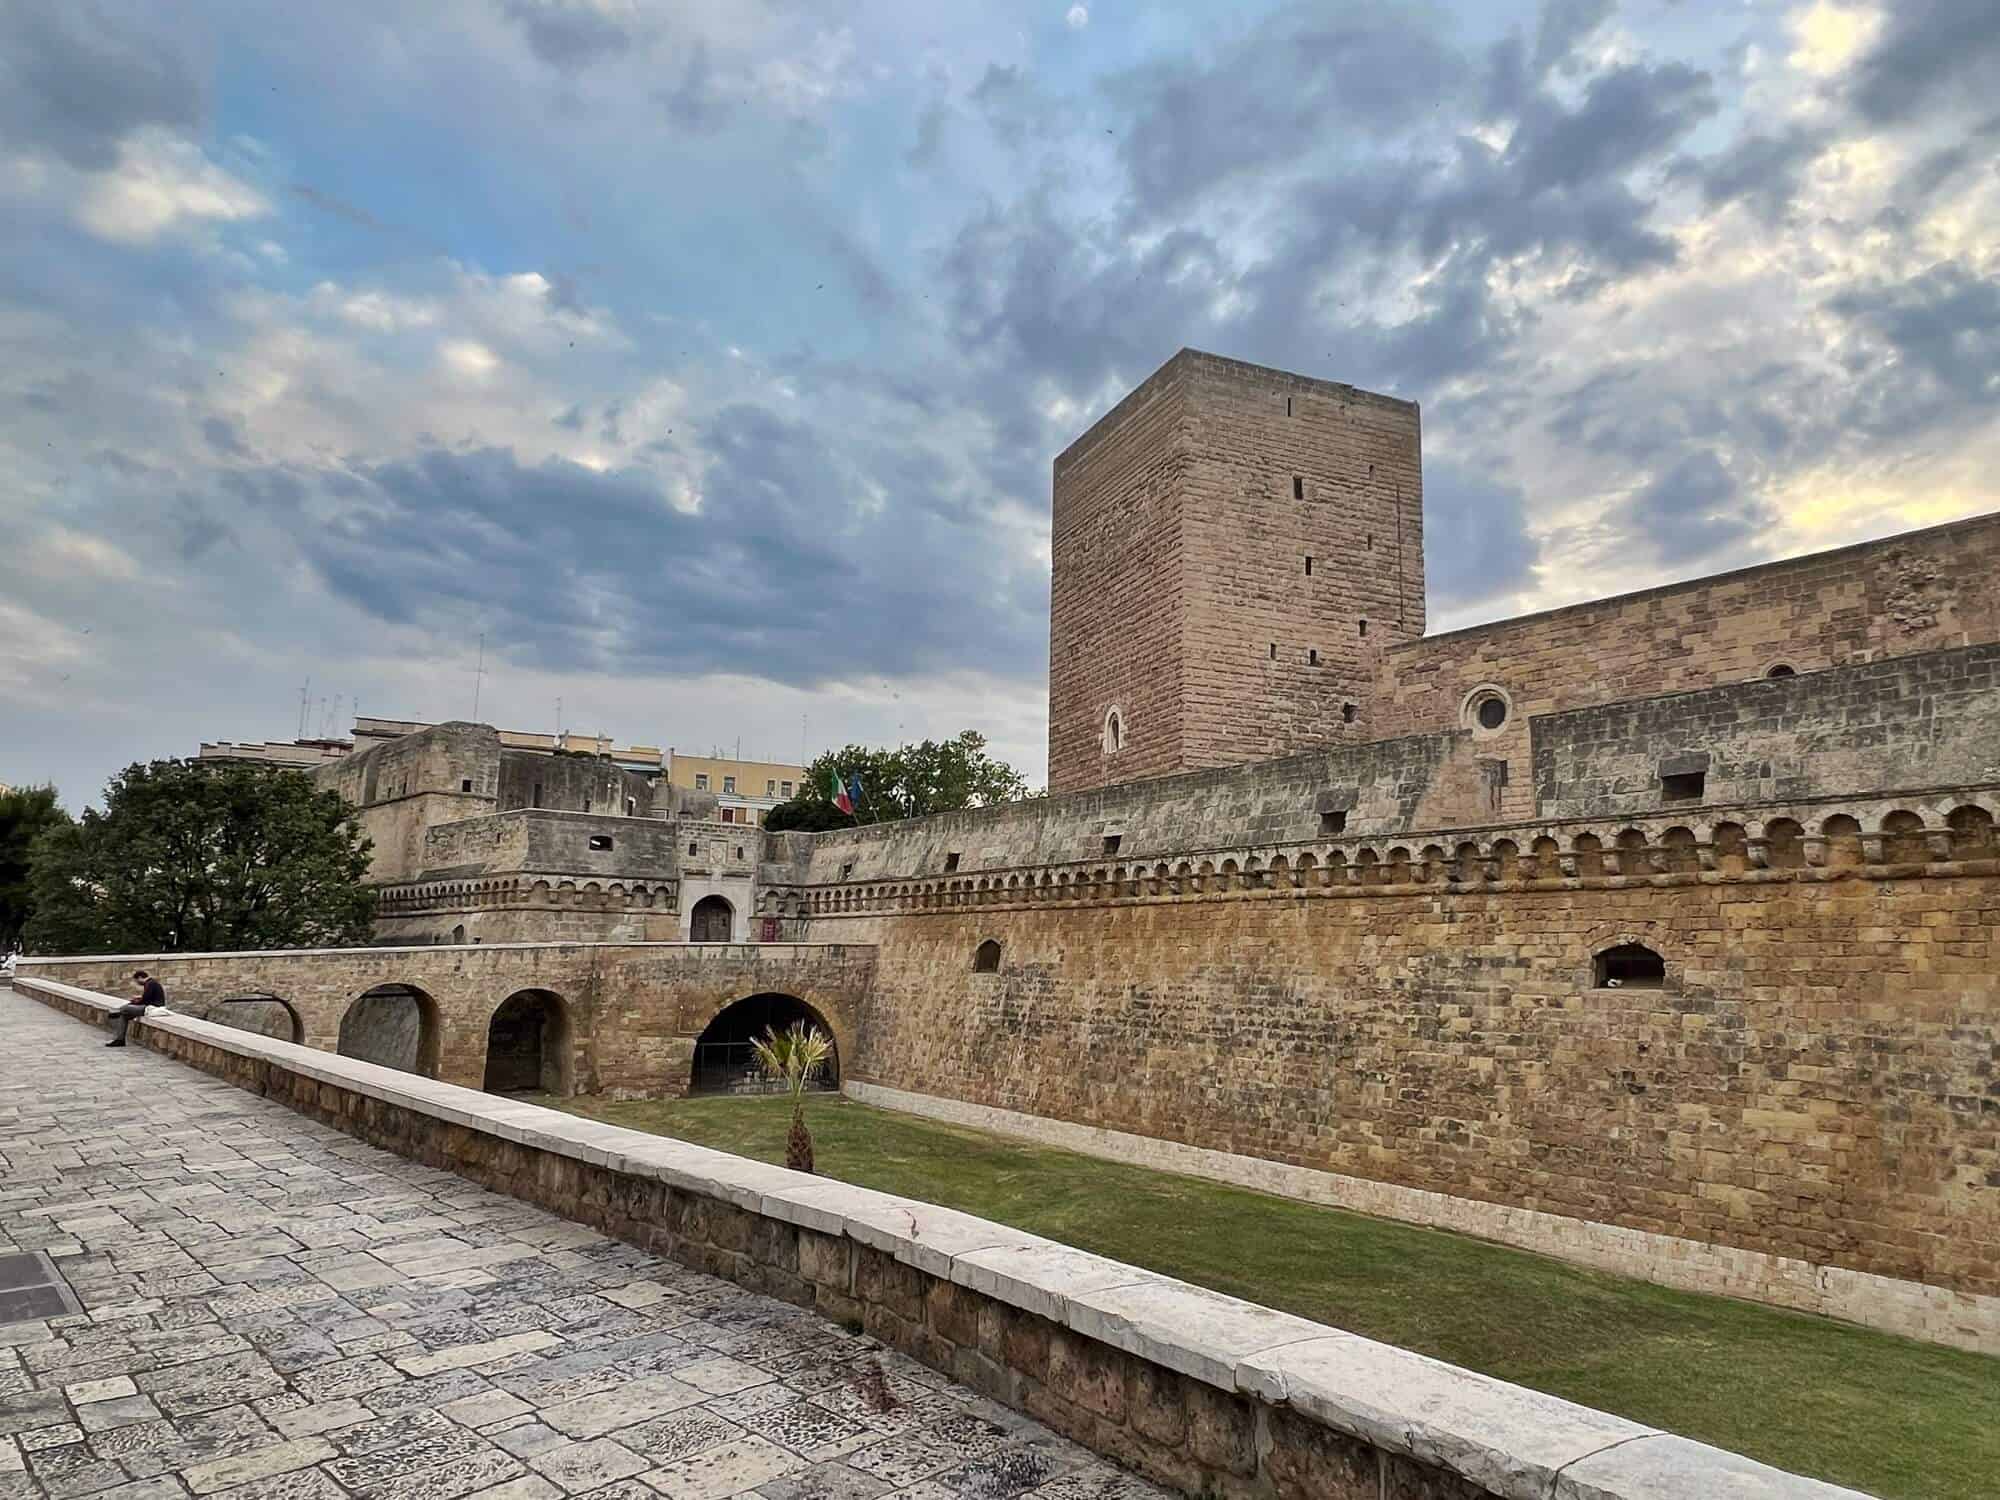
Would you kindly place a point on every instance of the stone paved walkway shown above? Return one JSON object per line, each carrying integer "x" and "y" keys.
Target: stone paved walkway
{"x": 273, "y": 1311}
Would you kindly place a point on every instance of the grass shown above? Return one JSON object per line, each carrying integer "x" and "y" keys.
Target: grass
{"x": 1883, "y": 1414}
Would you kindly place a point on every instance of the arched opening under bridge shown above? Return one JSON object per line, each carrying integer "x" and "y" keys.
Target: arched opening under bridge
{"x": 528, "y": 1045}
{"x": 724, "y": 1062}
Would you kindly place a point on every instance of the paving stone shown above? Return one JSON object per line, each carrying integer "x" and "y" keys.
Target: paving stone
{"x": 581, "y": 1467}
{"x": 327, "y": 1321}
{"x": 87, "y": 1391}
{"x": 731, "y": 1469}
{"x": 259, "y": 1463}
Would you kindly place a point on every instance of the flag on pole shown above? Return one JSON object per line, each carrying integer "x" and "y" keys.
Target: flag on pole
{"x": 840, "y": 798}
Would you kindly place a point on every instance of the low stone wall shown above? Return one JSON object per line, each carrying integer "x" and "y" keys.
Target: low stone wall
{"x": 1206, "y": 1394}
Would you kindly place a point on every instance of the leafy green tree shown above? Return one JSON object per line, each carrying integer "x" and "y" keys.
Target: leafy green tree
{"x": 25, "y": 813}
{"x": 913, "y": 781}
{"x": 195, "y": 857}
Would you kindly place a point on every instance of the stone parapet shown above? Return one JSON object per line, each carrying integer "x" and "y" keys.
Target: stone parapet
{"x": 1201, "y": 1392}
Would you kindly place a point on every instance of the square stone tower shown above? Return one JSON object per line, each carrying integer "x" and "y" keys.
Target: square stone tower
{"x": 1233, "y": 548}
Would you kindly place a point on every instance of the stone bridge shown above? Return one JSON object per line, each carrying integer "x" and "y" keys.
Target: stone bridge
{"x": 623, "y": 1019}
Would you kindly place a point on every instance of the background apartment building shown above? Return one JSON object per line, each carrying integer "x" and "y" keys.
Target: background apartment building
{"x": 745, "y": 790}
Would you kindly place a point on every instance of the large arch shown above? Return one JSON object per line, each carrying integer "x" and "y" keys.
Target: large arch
{"x": 264, "y": 1014}
{"x": 713, "y": 920}
{"x": 723, "y": 1062}
{"x": 395, "y": 1025}
{"x": 529, "y": 1046}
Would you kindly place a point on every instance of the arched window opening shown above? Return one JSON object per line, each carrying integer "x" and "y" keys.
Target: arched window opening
{"x": 711, "y": 921}
{"x": 725, "y": 1062}
{"x": 1114, "y": 731}
{"x": 458, "y": 933}
{"x": 1782, "y": 669}
{"x": 395, "y": 1026}
{"x": 986, "y": 957}
{"x": 528, "y": 1046}
{"x": 1630, "y": 966}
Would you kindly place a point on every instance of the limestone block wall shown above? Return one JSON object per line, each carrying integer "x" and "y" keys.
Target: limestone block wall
{"x": 1377, "y": 788}
{"x": 1915, "y": 722}
{"x": 632, "y": 1012}
{"x": 1281, "y": 654}
{"x": 572, "y": 783}
{"x": 1919, "y": 592}
{"x": 1232, "y": 548}
{"x": 1206, "y": 1394}
{"x": 1813, "y": 1082}
{"x": 1116, "y": 595}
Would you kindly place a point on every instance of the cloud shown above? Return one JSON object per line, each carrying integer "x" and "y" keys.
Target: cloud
{"x": 1930, "y": 52}
{"x": 571, "y": 34}
{"x": 1694, "y": 510}
{"x": 1927, "y": 347}
{"x": 1077, "y": 17}
{"x": 161, "y": 183}
{"x": 77, "y": 78}
{"x": 1476, "y": 543}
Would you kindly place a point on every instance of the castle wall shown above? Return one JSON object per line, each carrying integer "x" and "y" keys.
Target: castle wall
{"x": 1115, "y": 599}
{"x": 1233, "y": 546}
{"x": 402, "y": 788}
{"x": 1914, "y": 593}
{"x": 1282, "y": 469}
{"x": 1814, "y": 1082}
{"x": 1913, "y": 722}
{"x": 572, "y": 783}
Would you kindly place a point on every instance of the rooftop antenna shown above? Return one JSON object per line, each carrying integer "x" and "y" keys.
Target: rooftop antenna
{"x": 558, "y": 720}
{"x": 305, "y": 699}
{"x": 478, "y": 673}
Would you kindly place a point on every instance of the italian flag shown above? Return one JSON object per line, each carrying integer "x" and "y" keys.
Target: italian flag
{"x": 840, "y": 798}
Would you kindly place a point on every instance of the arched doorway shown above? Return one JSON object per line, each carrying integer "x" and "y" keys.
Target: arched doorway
{"x": 723, "y": 1061}
{"x": 264, "y": 1015}
{"x": 395, "y": 1025}
{"x": 528, "y": 1045}
{"x": 712, "y": 921}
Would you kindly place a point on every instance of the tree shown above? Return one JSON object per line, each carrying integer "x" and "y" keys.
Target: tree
{"x": 192, "y": 856}
{"x": 911, "y": 782}
{"x": 25, "y": 813}
{"x": 796, "y": 1056}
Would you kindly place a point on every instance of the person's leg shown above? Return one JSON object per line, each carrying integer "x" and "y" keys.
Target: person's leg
{"x": 124, "y": 1015}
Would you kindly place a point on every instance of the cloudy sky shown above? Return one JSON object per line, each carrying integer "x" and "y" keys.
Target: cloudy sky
{"x": 708, "y": 357}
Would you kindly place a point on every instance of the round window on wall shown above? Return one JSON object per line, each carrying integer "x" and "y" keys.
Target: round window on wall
{"x": 1486, "y": 709}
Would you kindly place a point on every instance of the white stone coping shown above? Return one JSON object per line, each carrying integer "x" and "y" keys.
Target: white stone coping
{"x": 1514, "y": 1442}
{"x": 371, "y": 950}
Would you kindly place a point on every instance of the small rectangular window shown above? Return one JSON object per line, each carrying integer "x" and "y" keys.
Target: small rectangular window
{"x": 1309, "y": 565}
{"x": 537, "y": 800}
{"x": 1298, "y": 487}
{"x": 600, "y": 842}
{"x": 701, "y": 781}
{"x": 1687, "y": 787}
{"x": 1288, "y": 406}
{"x": 739, "y": 851}
{"x": 729, "y": 815}
{"x": 847, "y": 869}
{"x": 1274, "y": 651}
{"x": 1312, "y": 658}
{"x": 1112, "y": 841}
{"x": 770, "y": 788}
{"x": 1364, "y": 627}
{"x": 465, "y": 785}
{"x": 787, "y": 786}
{"x": 951, "y": 862}
{"x": 729, "y": 784}
{"x": 1332, "y": 822}
{"x": 586, "y": 804}
{"x": 694, "y": 848}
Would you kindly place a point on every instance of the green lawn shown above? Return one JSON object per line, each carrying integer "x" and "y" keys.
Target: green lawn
{"x": 1882, "y": 1414}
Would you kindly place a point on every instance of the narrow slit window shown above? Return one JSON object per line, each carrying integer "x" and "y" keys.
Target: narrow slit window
{"x": 1298, "y": 487}
{"x": 694, "y": 848}
{"x": 1309, "y": 565}
{"x": 1347, "y": 712}
{"x": 1364, "y": 627}
{"x": 1274, "y": 651}
{"x": 1312, "y": 658}
{"x": 1288, "y": 406}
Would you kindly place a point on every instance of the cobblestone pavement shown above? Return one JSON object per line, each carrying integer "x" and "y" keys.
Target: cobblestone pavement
{"x": 273, "y": 1311}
